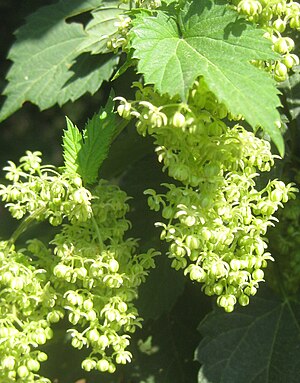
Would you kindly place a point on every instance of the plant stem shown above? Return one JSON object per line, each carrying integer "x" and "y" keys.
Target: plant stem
{"x": 25, "y": 224}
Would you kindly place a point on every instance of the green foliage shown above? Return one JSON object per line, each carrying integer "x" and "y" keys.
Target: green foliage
{"x": 72, "y": 143}
{"x": 55, "y": 56}
{"x": 222, "y": 45}
{"x": 189, "y": 138}
{"x": 259, "y": 343}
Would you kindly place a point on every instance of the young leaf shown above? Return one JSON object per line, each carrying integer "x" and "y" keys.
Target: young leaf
{"x": 84, "y": 153}
{"x": 72, "y": 143}
{"x": 43, "y": 54}
{"x": 97, "y": 138}
{"x": 208, "y": 39}
{"x": 258, "y": 343}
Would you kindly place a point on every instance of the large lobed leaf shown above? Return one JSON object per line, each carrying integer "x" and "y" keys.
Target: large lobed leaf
{"x": 254, "y": 344}
{"x": 44, "y": 53}
{"x": 208, "y": 39}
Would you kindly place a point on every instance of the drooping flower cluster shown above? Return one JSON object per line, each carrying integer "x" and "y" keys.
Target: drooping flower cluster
{"x": 216, "y": 217}
{"x": 43, "y": 191}
{"x": 278, "y": 18}
{"x": 89, "y": 274}
{"x": 98, "y": 274}
{"x": 26, "y": 302}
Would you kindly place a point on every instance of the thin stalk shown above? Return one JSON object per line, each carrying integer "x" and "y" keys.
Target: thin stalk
{"x": 25, "y": 224}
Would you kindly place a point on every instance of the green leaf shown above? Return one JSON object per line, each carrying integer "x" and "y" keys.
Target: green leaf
{"x": 72, "y": 143}
{"x": 129, "y": 62}
{"x": 84, "y": 153}
{"x": 208, "y": 39}
{"x": 258, "y": 343}
{"x": 173, "y": 340}
{"x": 98, "y": 135}
{"x": 101, "y": 28}
{"x": 88, "y": 74}
{"x": 43, "y": 56}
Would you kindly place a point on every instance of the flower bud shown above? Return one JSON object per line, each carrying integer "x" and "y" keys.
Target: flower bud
{"x": 122, "y": 307}
{"x": 33, "y": 365}
{"x": 42, "y": 357}
{"x": 88, "y": 304}
{"x": 102, "y": 365}
{"x": 250, "y": 290}
{"x": 178, "y": 120}
{"x": 103, "y": 341}
{"x": 243, "y": 300}
{"x": 197, "y": 274}
{"x": 113, "y": 265}
{"x": 22, "y": 372}
{"x": 54, "y": 316}
{"x": 8, "y": 362}
{"x": 279, "y": 25}
{"x": 258, "y": 275}
{"x": 192, "y": 242}
{"x": 124, "y": 110}
{"x": 91, "y": 315}
{"x": 88, "y": 364}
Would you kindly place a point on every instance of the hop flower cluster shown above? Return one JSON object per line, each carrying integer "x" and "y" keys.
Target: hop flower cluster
{"x": 26, "y": 301}
{"x": 216, "y": 218}
{"x": 42, "y": 190}
{"x": 98, "y": 274}
{"x": 89, "y": 273}
{"x": 277, "y": 17}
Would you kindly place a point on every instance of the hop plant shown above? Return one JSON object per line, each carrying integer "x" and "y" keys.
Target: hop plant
{"x": 216, "y": 216}
{"x": 89, "y": 273}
